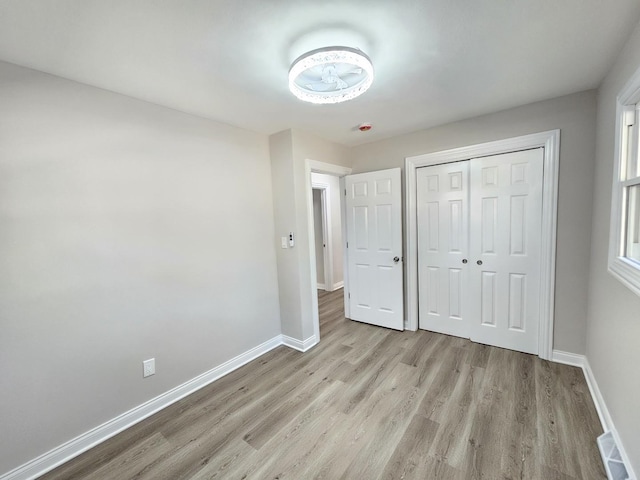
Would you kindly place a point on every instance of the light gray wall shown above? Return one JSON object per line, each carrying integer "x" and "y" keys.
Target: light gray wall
{"x": 575, "y": 116}
{"x": 127, "y": 231}
{"x": 613, "y": 334}
{"x": 333, "y": 204}
{"x": 319, "y": 236}
{"x": 289, "y": 151}
{"x": 284, "y": 205}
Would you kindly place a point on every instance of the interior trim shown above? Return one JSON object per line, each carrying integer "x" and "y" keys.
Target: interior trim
{"x": 606, "y": 421}
{"x": 338, "y": 171}
{"x": 550, "y": 141}
{"x": 300, "y": 345}
{"x": 71, "y": 449}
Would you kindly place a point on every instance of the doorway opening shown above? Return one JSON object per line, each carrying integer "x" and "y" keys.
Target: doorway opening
{"x": 325, "y": 183}
{"x": 320, "y": 236}
{"x": 327, "y": 228}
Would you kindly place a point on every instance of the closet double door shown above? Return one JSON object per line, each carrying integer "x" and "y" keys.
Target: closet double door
{"x": 479, "y": 243}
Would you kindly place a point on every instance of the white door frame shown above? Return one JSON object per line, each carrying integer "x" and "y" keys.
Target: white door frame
{"x": 325, "y": 212}
{"x": 338, "y": 171}
{"x": 550, "y": 140}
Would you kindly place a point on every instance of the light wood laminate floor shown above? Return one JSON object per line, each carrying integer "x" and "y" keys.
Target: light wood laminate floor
{"x": 367, "y": 403}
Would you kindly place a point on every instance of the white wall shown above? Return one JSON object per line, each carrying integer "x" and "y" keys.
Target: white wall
{"x": 575, "y": 116}
{"x": 613, "y": 334}
{"x": 127, "y": 231}
{"x": 333, "y": 204}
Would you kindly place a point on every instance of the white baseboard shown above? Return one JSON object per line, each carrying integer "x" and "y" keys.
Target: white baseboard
{"x": 65, "y": 452}
{"x": 301, "y": 345}
{"x": 338, "y": 285}
{"x": 84, "y": 442}
{"x": 567, "y": 358}
{"x": 601, "y": 407}
{"x": 605, "y": 416}
{"x": 321, "y": 286}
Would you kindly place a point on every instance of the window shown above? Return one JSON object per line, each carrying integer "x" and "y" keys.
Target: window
{"x": 624, "y": 248}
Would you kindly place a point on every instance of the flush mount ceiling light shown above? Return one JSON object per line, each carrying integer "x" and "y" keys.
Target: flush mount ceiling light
{"x": 330, "y": 75}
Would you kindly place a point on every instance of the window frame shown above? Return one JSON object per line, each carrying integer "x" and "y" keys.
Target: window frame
{"x": 626, "y": 270}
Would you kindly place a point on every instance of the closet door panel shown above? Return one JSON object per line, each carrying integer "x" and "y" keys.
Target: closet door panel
{"x": 443, "y": 239}
{"x": 505, "y": 227}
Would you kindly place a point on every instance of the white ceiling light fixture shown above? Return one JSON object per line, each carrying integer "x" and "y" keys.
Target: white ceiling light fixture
{"x": 330, "y": 75}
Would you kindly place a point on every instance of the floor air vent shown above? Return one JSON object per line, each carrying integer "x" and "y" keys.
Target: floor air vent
{"x": 613, "y": 463}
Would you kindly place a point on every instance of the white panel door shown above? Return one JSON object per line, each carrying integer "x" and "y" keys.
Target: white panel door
{"x": 374, "y": 248}
{"x": 443, "y": 236}
{"x": 479, "y": 243}
{"x": 506, "y": 222}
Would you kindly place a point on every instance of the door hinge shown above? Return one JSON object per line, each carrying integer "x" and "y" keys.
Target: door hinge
{"x": 345, "y": 192}
{"x": 349, "y": 294}
{"x": 347, "y": 244}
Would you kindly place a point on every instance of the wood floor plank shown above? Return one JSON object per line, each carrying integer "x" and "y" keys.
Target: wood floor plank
{"x": 85, "y": 464}
{"x": 424, "y": 346}
{"x": 522, "y": 449}
{"x": 451, "y": 441}
{"x": 365, "y": 377}
{"x": 363, "y": 343}
{"x": 288, "y": 409}
{"x": 373, "y": 429}
{"x": 408, "y": 460}
{"x": 439, "y": 469}
{"x": 490, "y": 428}
{"x": 136, "y": 459}
{"x": 400, "y": 401}
{"x": 306, "y": 432}
{"x": 367, "y": 403}
{"x": 234, "y": 453}
{"x": 439, "y": 392}
{"x": 219, "y": 402}
{"x": 478, "y": 354}
{"x": 581, "y": 421}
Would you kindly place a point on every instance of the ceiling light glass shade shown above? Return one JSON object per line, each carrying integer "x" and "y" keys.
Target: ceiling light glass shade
{"x": 330, "y": 75}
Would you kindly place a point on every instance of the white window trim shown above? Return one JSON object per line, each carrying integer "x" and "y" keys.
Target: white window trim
{"x": 625, "y": 270}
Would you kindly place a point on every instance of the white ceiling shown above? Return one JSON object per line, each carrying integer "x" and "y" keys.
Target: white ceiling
{"x": 436, "y": 61}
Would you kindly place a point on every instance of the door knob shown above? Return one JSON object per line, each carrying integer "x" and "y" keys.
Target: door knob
{"x": 396, "y": 259}
{"x": 479, "y": 262}
{"x": 464, "y": 260}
